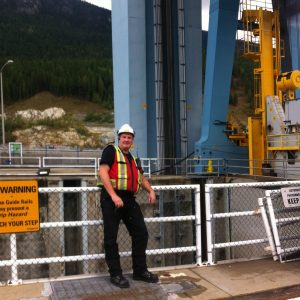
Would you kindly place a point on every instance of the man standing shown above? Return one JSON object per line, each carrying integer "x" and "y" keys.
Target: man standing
{"x": 121, "y": 177}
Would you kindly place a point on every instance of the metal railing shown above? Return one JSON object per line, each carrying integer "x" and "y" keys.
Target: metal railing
{"x": 70, "y": 238}
{"x": 282, "y": 224}
{"x": 69, "y": 241}
{"x": 84, "y": 163}
{"x": 283, "y": 141}
{"x": 234, "y": 225}
{"x": 20, "y": 162}
{"x": 89, "y": 166}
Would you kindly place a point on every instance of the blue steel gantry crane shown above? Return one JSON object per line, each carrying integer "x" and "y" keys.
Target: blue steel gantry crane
{"x": 157, "y": 62}
{"x": 157, "y": 54}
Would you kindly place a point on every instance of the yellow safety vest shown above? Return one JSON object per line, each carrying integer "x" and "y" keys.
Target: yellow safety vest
{"x": 119, "y": 176}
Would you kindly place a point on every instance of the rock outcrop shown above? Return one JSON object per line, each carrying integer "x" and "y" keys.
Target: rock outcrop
{"x": 33, "y": 114}
{"x": 38, "y": 136}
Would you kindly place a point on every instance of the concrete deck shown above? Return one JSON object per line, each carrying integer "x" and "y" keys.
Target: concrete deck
{"x": 259, "y": 279}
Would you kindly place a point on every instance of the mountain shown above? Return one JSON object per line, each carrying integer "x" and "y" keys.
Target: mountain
{"x": 60, "y": 46}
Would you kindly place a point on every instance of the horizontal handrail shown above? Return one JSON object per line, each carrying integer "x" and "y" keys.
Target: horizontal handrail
{"x": 20, "y": 162}
{"x": 89, "y": 166}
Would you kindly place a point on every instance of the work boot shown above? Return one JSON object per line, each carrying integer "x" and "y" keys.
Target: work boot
{"x": 119, "y": 281}
{"x": 145, "y": 276}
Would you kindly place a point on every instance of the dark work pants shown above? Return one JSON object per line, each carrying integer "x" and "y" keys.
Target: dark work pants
{"x": 133, "y": 219}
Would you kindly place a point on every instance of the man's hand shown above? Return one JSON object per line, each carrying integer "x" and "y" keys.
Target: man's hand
{"x": 117, "y": 201}
{"x": 146, "y": 186}
{"x": 104, "y": 175}
{"x": 152, "y": 197}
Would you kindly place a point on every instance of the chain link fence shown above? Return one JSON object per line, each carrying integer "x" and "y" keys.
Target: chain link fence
{"x": 70, "y": 240}
{"x": 234, "y": 225}
{"x": 282, "y": 221}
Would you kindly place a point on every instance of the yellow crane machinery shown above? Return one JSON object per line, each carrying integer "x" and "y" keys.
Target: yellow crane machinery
{"x": 273, "y": 133}
{"x": 283, "y": 118}
{"x": 262, "y": 45}
{"x": 236, "y": 131}
{"x": 287, "y": 83}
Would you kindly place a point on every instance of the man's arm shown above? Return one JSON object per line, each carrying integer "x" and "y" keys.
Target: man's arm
{"x": 147, "y": 186}
{"x": 104, "y": 176}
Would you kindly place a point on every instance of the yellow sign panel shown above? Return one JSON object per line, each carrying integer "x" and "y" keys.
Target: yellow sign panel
{"x": 19, "y": 206}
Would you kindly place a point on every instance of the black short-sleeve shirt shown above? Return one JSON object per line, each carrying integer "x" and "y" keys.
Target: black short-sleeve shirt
{"x": 108, "y": 155}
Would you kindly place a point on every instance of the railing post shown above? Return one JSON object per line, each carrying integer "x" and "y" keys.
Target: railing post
{"x": 186, "y": 167}
{"x": 198, "y": 226}
{"x": 13, "y": 257}
{"x": 284, "y": 169}
{"x": 208, "y": 224}
{"x": 96, "y": 167}
{"x": 267, "y": 227}
{"x": 84, "y": 234}
{"x": 61, "y": 230}
{"x": 273, "y": 224}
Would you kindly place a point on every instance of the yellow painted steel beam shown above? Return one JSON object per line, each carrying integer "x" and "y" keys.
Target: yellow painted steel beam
{"x": 284, "y": 148}
{"x": 266, "y": 19}
{"x": 256, "y": 147}
{"x": 265, "y": 31}
{"x": 238, "y": 137}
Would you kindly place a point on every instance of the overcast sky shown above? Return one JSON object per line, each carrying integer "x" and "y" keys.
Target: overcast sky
{"x": 205, "y": 6}
{"x": 102, "y": 3}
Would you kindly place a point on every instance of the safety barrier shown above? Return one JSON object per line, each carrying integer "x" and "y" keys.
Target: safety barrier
{"x": 281, "y": 220}
{"x": 70, "y": 239}
{"x": 89, "y": 166}
{"x": 84, "y": 165}
{"x": 20, "y": 162}
{"x": 234, "y": 222}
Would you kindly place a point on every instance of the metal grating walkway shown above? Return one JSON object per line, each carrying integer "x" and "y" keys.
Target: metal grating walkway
{"x": 101, "y": 288}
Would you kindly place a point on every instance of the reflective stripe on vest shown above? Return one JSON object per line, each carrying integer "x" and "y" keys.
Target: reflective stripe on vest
{"x": 122, "y": 172}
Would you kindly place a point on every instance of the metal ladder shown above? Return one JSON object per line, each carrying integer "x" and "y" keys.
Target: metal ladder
{"x": 279, "y": 110}
{"x": 182, "y": 78}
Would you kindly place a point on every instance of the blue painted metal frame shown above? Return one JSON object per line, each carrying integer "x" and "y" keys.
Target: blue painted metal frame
{"x": 129, "y": 63}
{"x": 133, "y": 64}
{"x": 293, "y": 25}
{"x": 193, "y": 52}
{"x": 219, "y": 62}
{"x": 151, "y": 104}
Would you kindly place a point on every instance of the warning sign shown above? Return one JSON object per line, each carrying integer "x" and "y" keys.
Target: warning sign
{"x": 19, "y": 206}
{"x": 291, "y": 196}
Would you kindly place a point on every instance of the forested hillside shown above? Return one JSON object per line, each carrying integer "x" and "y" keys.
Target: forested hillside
{"x": 61, "y": 46}
{"x": 64, "y": 47}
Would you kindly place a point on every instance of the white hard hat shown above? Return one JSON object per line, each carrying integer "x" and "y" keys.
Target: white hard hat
{"x": 126, "y": 128}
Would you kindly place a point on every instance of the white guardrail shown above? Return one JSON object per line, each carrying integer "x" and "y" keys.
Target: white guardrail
{"x": 89, "y": 166}
{"x": 235, "y": 221}
{"x": 52, "y": 234}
